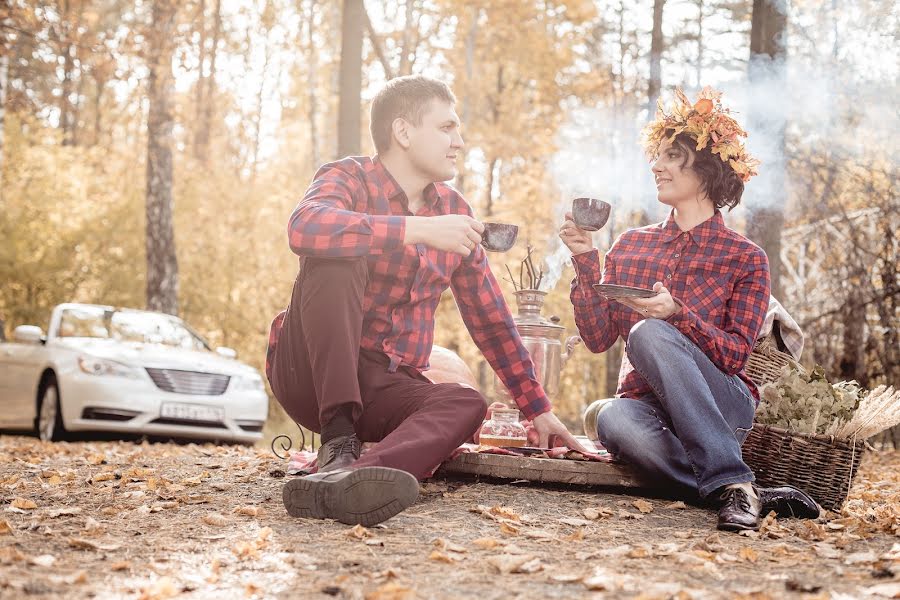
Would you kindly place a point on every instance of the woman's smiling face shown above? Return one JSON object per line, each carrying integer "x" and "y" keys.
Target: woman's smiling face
{"x": 676, "y": 181}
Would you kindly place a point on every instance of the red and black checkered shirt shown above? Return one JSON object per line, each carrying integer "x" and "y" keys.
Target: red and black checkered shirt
{"x": 354, "y": 207}
{"x": 719, "y": 278}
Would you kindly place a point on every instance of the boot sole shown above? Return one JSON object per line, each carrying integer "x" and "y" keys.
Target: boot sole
{"x": 367, "y": 496}
{"x": 736, "y": 527}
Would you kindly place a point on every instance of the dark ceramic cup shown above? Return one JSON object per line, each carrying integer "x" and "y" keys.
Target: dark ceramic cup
{"x": 499, "y": 237}
{"x": 590, "y": 214}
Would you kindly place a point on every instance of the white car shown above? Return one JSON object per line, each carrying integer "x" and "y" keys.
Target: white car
{"x": 101, "y": 368}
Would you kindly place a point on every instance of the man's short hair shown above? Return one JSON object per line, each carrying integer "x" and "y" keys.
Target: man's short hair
{"x": 404, "y": 97}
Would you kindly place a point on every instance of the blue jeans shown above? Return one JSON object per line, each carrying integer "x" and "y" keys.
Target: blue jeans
{"x": 690, "y": 431}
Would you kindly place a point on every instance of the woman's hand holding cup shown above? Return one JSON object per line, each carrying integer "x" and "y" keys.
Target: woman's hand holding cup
{"x": 577, "y": 240}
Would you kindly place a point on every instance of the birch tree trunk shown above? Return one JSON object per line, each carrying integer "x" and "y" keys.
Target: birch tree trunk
{"x": 350, "y": 109}
{"x": 162, "y": 264}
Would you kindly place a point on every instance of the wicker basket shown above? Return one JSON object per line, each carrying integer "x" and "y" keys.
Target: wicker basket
{"x": 766, "y": 361}
{"x": 820, "y": 465}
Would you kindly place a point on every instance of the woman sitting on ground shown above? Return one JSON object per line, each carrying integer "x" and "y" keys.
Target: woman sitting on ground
{"x": 684, "y": 404}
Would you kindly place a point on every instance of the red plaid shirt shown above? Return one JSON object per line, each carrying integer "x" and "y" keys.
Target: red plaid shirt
{"x": 354, "y": 207}
{"x": 719, "y": 279}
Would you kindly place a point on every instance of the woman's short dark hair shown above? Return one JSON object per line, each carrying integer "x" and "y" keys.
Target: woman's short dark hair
{"x": 404, "y": 97}
{"x": 720, "y": 182}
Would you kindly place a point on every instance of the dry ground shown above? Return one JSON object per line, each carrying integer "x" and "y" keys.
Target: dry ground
{"x": 130, "y": 520}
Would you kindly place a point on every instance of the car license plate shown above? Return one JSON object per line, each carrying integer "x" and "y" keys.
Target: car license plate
{"x": 192, "y": 412}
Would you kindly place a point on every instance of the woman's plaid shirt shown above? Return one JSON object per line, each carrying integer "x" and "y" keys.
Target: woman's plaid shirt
{"x": 354, "y": 208}
{"x": 719, "y": 279}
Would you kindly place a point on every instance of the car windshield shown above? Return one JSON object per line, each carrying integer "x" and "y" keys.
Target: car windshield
{"x": 128, "y": 326}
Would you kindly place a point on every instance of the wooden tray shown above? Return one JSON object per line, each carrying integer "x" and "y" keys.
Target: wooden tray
{"x": 543, "y": 470}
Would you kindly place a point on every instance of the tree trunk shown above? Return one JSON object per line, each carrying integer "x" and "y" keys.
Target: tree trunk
{"x": 350, "y": 107}
{"x": 407, "y": 46}
{"x": 657, "y": 43}
{"x": 700, "y": 43}
{"x": 257, "y": 119}
{"x": 4, "y": 81}
{"x": 312, "y": 55}
{"x": 207, "y": 92}
{"x": 467, "y": 92}
{"x": 162, "y": 265}
{"x": 767, "y": 65}
{"x": 201, "y": 80}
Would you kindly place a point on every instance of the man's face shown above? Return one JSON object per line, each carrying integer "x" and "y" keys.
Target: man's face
{"x": 434, "y": 144}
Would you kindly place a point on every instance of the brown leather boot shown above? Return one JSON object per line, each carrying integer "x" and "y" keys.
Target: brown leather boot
{"x": 338, "y": 453}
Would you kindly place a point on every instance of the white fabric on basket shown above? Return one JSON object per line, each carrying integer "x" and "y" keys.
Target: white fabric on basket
{"x": 784, "y": 328}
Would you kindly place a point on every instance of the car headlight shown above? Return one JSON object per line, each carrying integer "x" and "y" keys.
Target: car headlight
{"x": 101, "y": 366}
{"x": 249, "y": 383}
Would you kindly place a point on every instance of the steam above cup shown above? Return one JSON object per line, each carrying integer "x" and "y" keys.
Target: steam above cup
{"x": 499, "y": 237}
{"x": 590, "y": 214}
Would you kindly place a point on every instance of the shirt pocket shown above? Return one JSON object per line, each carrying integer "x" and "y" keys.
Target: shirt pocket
{"x": 710, "y": 293}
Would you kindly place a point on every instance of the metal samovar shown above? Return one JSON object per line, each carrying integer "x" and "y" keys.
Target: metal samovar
{"x": 542, "y": 340}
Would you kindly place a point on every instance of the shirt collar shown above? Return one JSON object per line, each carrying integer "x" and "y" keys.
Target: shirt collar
{"x": 391, "y": 188}
{"x": 701, "y": 233}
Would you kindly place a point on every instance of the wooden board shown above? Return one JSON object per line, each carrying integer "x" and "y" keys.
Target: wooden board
{"x": 540, "y": 470}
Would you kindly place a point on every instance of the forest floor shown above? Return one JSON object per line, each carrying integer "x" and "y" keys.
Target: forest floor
{"x": 164, "y": 520}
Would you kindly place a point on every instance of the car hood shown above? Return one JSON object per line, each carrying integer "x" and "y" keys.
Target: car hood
{"x": 158, "y": 356}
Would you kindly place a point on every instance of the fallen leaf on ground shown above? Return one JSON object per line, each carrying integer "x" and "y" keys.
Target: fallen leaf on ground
{"x": 248, "y": 511}
{"x": 44, "y": 560}
{"x": 83, "y": 544}
{"x": 507, "y": 529}
{"x": 23, "y": 504}
{"x": 442, "y": 557}
{"x": 122, "y": 565}
{"x": 443, "y": 544}
{"x": 602, "y": 580}
{"x": 59, "y": 512}
{"x": 624, "y": 514}
{"x": 5, "y": 527}
{"x": 575, "y": 536}
{"x": 574, "y": 522}
{"x": 679, "y": 505}
{"x": 511, "y": 563}
{"x": 643, "y": 506}
{"x": 539, "y": 534}
{"x": 161, "y": 589}
{"x": 486, "y": 543}
{"x": 566, "y": 578}
{"x": 215, "y": 519}
{"x": 596, "y": 513}
{"x": 748, "y": 554}
{"x": 392, "y": 591}
{"x": 359, "y": 532}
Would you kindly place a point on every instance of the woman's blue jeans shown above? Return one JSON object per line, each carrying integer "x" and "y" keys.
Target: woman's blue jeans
{"x": 690, "y": 431}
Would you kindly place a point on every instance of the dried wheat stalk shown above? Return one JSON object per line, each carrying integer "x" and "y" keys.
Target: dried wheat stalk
{"x": 878, "y": 411}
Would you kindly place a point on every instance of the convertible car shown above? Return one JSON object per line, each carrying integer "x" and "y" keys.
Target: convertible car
{"x": 100, "y": 368}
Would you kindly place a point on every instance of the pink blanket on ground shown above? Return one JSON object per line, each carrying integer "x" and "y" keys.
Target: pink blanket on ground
{"x": 303, "y": 462}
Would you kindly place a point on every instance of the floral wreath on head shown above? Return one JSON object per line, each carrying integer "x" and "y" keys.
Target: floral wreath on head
{"x": 704, "y": 121}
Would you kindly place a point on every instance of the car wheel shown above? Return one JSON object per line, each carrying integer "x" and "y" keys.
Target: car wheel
{"x": 50, "y": 426}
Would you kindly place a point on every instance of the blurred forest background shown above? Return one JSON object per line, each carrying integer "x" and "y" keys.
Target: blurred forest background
{"x": 152, "y": 150}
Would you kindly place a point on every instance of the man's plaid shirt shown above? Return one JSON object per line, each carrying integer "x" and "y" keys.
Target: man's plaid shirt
{"x": 719, "y": 279}
{"x": 354, "y": 208}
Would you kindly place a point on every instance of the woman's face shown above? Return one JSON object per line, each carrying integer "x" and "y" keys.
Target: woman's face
{"x": 676, "y": 185}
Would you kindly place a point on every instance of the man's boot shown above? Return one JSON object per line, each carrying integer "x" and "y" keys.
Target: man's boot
{"x": 365, "y": 496}
{"x": 338, "y": 453}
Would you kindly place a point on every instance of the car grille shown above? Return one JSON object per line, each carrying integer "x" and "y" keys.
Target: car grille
{"x": 189, "y": 382}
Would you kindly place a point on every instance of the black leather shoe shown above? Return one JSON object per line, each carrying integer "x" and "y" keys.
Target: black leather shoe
{"x": 365, "y": 496}
{"x": 788, "y": 501}
{"x": 739, "y": 510}
{"x": 338, "y": 453}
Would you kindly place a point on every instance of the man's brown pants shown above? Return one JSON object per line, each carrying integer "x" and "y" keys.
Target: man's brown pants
{"x": 319, "y": 368}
